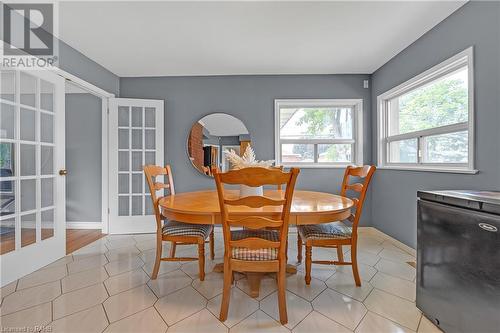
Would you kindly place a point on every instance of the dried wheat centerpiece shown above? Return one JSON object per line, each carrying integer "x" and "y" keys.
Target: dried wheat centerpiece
{"x": 247, "y": 160}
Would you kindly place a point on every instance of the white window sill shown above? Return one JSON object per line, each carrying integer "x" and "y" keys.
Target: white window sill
{"x": 429, "y": 169}
{"x": 316, "y": 166}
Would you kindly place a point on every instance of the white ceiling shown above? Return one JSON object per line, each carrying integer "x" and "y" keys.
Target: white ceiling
{"x": 222, "y": 124}
{"x": 226, "y": 38}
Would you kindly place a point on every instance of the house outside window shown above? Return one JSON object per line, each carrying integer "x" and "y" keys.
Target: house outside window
{"x": 426, "y": 123}
{"x": 318, "y": 132}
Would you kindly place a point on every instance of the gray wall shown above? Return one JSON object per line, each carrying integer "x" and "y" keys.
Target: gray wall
{"x": 393, "y": 209}
{"x": 76, "y": 63}
{"x": 251, "y": 99}
{"x": 392, "y": 203}
{"x": 83, "y": 158}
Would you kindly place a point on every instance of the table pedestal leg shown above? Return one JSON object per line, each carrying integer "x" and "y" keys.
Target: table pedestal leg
{"x": 219, "y": 268}
{"x": 254, "y": 283}
{"x": 255, "y": 278}
{"x": 291, "y": 269}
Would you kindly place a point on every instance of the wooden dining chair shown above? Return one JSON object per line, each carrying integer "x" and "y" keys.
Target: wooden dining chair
{"x": 255, "y": 249}
{"x": 279, "y": 187}
{"x": 337, "y": 234}
{"x": 178, "y": 233}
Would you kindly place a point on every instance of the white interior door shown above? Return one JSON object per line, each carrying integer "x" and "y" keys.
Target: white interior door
{"x": 135, "y": 140}
{"x": 32, "y": 217}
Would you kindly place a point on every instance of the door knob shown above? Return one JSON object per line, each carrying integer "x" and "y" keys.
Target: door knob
{"x": 63, "y": 172}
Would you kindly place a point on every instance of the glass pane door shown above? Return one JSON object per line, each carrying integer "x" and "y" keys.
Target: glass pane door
{"x": 136, "y": 135}
{"x": 30, "y": 151}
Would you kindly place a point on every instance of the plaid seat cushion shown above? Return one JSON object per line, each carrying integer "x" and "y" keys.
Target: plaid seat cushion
{"x": 242, "y": 253}
{"x": 175, "y": 228}
{"x": 325, "y": 231}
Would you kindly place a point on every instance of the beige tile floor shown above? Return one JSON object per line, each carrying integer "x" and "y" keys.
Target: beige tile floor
{"x": 106, "y": 287}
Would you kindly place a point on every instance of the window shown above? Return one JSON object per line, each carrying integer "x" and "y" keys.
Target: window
{"x": 426, "y": 123}
{"x": 318, "y": 133}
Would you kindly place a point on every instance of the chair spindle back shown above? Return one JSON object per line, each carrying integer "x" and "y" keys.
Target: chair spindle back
{"x": 255, "y": 177}
{"x": 151, "y": 173}
{"x": 365, "y": 172}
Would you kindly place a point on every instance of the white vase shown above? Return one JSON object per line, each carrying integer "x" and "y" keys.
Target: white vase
{"x": 248, "y": 191}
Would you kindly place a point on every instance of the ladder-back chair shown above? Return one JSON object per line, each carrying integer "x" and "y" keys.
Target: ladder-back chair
{"x": 337, "y": 234}
{"x": 178, "y": 233}
{"x": 255, "y": 248}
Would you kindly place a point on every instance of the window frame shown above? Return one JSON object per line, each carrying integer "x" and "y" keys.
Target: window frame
{"x": 453, "y": 64}
{"x": 356, "y": 141}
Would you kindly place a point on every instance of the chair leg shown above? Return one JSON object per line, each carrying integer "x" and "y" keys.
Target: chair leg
{"x": 156, "y": 268}
{"x": 212, "y": 245}
{"x": 308, "y": 263}
{"x": 299, "y": 248}
{"x": 201, "y": 259}
{"x": 226, "y": 290}
{"x": 354, "y": 261}
{"x": 340, "y": 254}
{"x": 173, "y": 246}
{"x": 282, "y": 294}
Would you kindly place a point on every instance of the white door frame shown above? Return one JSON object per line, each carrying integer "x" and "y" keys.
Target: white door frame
{"x": 105, "y": 96}
{"x": 131, "y": 223}
{"x": 20, "y": 262}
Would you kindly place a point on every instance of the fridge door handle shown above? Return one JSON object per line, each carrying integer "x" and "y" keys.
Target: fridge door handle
{"x": 488, "y": 227}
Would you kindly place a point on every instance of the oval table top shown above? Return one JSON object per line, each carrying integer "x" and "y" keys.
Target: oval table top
{"x": 308, "y": 207}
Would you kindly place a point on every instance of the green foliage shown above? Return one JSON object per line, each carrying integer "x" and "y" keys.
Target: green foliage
{"x": 441, "y": 103}
{"x": 327, "y": 122}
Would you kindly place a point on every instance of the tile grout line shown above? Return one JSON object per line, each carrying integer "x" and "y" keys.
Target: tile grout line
{"x": 130, "y": 315}
{"x": 420, "y": 322}
{"x": 81, "y": 310}
{"x": 342, "y": 325}
{"x": 307, "y": 315}
{"x": 390, "y": 292}
{"x": 362, "y": 318}
{"x": 105, "y": 314}
{"x": 159, "y": 314}
{"x": 274, "y": 319}
{"x": 142, "y": 269}
{"x": 23, "y": 309}
{"x": 230, "y": 328}
{"x": 180, "y": 320}
{"x": 383, "y": 316}
{"x": 290, "y": 329}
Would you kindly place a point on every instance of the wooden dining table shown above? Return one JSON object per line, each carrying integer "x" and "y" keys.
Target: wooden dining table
{"x": 308, "y": 207}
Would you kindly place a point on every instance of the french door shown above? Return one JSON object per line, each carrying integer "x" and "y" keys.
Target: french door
{"x": 135, "y": 140}
{"x": 32, "y": 182}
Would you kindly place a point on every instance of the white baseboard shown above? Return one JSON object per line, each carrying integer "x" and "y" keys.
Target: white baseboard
{"x": 83, "y": 225}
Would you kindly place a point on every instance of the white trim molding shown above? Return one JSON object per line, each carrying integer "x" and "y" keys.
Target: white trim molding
{"x": 459, "y": 61}
{"x": 105, "y": 164}
{"x": 104, "y": 96}
{"x": 118, "y": 222}
{"x": 357, "y": 141}
{"x": 92, "y": 89}
{"x": 84, "y": 225}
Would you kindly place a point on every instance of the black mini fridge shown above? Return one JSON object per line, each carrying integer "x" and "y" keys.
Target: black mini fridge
{"x": 458, "y": 259}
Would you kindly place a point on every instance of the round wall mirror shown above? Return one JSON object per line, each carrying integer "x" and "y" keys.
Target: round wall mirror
{"x": 211, "y": 136}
